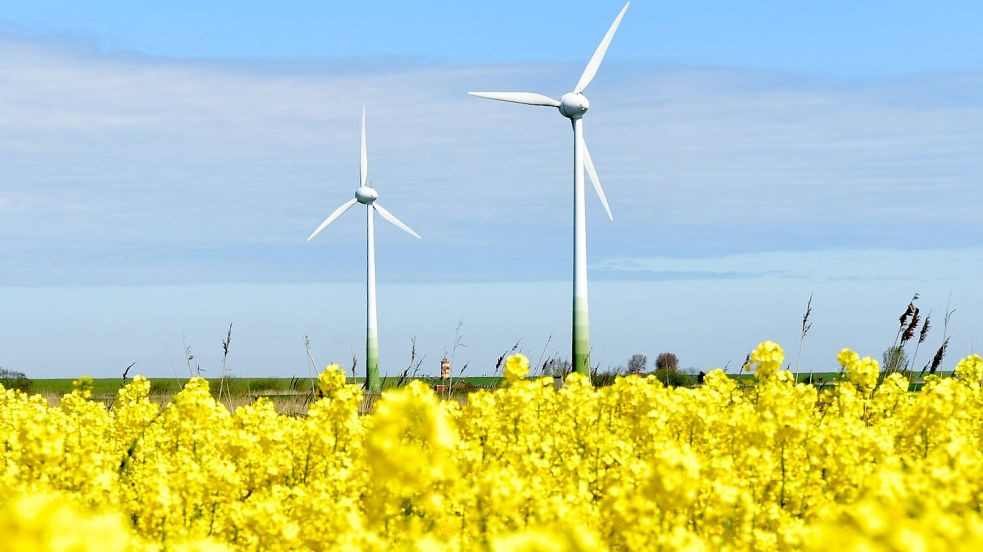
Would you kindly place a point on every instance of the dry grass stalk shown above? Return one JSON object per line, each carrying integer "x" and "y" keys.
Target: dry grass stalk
{"x": 541, "y": 355}
{"x": 806, "y": 326}
{"x": 922, "y": 335}
{"x": 936, "y": 362}
{"x": 508, "y": 352}
{"x": 909, "y": 311}
{"x": 413, "y": 368}
{"x": 909, "y": 331}
{"x": 225, "y": 362}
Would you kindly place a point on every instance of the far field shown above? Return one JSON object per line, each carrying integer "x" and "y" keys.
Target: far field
{"x": 236, "y": 386}
{"x": 293, "y": 395}
{"x": 261, "y": 386}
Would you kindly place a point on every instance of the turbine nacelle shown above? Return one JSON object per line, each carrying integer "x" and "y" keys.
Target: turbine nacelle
{"x": 366, "y": 195}
{"x": 573, "y": 105}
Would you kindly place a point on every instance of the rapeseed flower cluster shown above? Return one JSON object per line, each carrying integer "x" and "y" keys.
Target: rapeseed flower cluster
{"x": 771, "y": 465}
{"x": 862, "y": 372}
{"x": 516, "y": 368}
{"x": 766, "y": 360}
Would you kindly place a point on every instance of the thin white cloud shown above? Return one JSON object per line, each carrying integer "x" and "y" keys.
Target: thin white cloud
{"x": 870, "y": 265}
{"x": 109, "y": 154}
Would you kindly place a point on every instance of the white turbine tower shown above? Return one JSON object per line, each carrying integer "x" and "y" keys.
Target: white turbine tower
{"x": 573, "y": 105}
{"x": 366, "y": 195}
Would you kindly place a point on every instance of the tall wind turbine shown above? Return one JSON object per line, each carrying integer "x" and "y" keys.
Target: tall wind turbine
{"x": 573, "y": 105}
{"x": 366, "y": 195}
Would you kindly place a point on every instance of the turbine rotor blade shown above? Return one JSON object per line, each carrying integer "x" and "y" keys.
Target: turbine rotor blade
{"x": 589, "y": 165}
{"x": 528, "y": 98}
{"x": 595, "y": 60}
{"x": 331, "y": 218}
{"x": 363, "y": 169}
{"x": 392, "y": 218}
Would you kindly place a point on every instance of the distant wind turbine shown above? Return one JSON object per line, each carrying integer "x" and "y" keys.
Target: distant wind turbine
{"x": 366, "y": 195}
{"x": 573, "y": 105}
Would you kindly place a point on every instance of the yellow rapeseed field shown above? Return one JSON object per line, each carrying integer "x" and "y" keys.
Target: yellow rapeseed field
{"x": 634, "y": 466}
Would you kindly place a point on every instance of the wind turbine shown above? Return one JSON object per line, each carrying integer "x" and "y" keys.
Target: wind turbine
{"x": 366, "y": 195}
{"x": 573, "y": 105}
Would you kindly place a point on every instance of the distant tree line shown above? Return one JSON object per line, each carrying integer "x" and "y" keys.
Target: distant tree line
{"x": 11, "y": 379}
{"x": 666, "y": 370}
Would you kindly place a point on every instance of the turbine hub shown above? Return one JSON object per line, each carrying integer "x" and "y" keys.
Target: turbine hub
{"x": 573, "y": 105}
{"x": 366, "y": 195}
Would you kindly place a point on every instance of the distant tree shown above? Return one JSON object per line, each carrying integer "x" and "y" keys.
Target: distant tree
{"x": 637, "y": 364}
{"x": 895, "y": 359}
{"x": 11, "y": 379}
{"x": 667, "y": 371}
{"x": 666, "y": 361}
{"x": 674, "y": 377}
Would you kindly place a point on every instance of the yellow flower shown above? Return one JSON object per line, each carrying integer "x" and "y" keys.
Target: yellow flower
{"x": 847, "y": 358}
{"x": 862, "y": 372}
{"x": 675, "y": 477}
{"x": 634, "y": 465}
{"x": 970, "y": 369}
{"x": 331, "y": 380}
{"x": 516, "y": 368}
{"x": 44, "y": 521}
{"x": 767, "y": 359}
{"x": 83, "y": 387}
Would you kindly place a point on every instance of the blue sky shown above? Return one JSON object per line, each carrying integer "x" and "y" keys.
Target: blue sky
{"x": 160, "y": 167}
{"x": 834, "y": 37}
